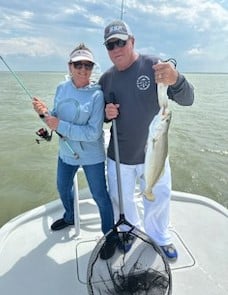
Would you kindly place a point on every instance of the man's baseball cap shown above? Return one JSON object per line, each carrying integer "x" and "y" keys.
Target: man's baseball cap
{"x": 117, "y": 29}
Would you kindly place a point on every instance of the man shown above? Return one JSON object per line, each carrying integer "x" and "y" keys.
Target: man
{"x": 130, "y": 91}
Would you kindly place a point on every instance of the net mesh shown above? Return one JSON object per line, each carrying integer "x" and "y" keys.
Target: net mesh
{"x": 141, "y": 270}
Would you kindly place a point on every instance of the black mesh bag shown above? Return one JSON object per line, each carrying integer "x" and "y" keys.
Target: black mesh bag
{"x": 141, "y": 270}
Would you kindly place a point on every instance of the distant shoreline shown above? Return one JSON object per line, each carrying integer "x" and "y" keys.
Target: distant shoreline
{"x": 203, "y": 73}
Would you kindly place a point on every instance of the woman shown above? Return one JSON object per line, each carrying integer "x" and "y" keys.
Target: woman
{"x": 78, "y": 115}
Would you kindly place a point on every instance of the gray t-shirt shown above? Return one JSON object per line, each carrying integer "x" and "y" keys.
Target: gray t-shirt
{"x": 136, "y": 92}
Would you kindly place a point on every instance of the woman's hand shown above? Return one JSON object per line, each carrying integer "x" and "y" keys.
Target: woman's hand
{"x": 52, "y": 122}
{"x": 39, "y": 106}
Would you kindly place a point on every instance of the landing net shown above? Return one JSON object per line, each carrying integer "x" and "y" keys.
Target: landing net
{"x": 141, "y": 270}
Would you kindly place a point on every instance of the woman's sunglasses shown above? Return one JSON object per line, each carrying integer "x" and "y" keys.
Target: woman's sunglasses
{"x": 119, "y": 43}
{"x": 79, "y": 65}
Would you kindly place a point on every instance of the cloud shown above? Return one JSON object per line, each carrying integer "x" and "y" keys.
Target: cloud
{"x": 15, "y": 21}
{"x": 28, "y": 46}
{"x": 195, "y": 52}
{"x": 186, "y": 30}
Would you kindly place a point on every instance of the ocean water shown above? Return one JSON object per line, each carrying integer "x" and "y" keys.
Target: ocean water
{"x": 198, "y": 142}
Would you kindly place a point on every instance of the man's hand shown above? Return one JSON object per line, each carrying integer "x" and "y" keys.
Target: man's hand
{"x": 165, "y": 73}
{"x": 111, "y": 111}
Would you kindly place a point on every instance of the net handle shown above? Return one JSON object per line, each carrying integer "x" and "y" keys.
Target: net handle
{"x": 117, "y": 159}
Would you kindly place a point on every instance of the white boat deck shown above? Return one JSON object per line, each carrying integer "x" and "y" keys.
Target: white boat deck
{"x": 34, "y": 260}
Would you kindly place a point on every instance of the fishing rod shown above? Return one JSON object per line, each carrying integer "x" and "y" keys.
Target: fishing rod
{"x": 17, "y": 78}
{"x": 43, "y": 133}
{"x": 122, "y": 10}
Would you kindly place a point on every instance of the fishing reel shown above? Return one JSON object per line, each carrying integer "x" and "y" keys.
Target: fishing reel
{"x": 44, "y": 135}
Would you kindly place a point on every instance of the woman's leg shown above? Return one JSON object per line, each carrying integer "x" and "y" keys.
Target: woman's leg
{"x": 65, "y": 179}
{"x": 95, "y": 175}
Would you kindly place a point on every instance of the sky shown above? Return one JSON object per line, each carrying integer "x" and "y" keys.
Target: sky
{"x": 39, "y": 35}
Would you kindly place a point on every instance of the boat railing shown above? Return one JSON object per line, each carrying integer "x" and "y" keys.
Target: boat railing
{"x": 76, "y": 189}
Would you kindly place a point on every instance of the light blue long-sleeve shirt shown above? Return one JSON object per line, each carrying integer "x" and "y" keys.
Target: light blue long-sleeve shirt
{"x": 81, "y": 115}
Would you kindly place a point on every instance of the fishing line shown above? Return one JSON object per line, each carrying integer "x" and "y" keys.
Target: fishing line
{"x": 16, "y": 77}
{"x": 47, "y": 137}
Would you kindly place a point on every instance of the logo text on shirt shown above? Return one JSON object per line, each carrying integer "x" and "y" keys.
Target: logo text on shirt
{"x": 143, "y": 82}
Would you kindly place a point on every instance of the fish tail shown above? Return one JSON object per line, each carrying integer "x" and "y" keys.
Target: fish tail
{"x": 149, "y": 196}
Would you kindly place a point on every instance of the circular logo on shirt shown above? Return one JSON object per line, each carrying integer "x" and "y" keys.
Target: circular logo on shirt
{"x": 143, "y": 82}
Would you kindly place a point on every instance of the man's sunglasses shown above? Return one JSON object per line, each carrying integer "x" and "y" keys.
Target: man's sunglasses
{"x": 79, "y": 65}
{"x": 119, "y": 43}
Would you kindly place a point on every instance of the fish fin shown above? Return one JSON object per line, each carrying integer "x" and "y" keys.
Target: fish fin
{"x": 149, "y": 196}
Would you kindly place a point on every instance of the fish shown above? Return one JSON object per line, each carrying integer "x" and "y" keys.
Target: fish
{"x": 156, "y": 151}
{"x": 157, "y": 144}
{"x": 162, "y": 96}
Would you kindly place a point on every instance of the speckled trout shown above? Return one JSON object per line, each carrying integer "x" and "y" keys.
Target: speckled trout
{"x": 157, "y": 143}
{"x": 156, "y": 150}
